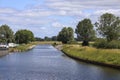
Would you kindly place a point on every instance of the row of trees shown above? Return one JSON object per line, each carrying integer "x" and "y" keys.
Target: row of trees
{"x": 21, "y": 36}
{"x": 46, "y": 38}
{"x": 108, "y": 27}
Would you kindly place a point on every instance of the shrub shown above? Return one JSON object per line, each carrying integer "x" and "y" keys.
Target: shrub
{"x": 113, "y": 45}
{"x": 100, "y": 43}
{"x": 72, "y": 42}
{"x": 107, "y": 45}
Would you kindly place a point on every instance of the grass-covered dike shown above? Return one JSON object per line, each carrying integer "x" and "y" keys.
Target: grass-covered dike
{"x": 106, "y": 57}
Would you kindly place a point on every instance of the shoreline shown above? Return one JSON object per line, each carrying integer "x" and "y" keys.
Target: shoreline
{"x": 13, "y": 50}
{"x": 88, "y": 61}
{"x": 92, "y": 62}
{"x": 3, "y": 52}
{"x": 22, "y": 48}
{"x": 31, "y": 47}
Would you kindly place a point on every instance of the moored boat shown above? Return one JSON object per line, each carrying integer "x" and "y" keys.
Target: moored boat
{"x": 4, "y": 47}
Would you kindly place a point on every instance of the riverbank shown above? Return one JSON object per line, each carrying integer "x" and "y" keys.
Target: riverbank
{"x": 105, "y": 57}
{"x": 23, "y": 47}
{"x": 3, "y": 52}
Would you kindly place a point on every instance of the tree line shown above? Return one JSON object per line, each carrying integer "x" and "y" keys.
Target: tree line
{"x": 107, "y": 26}
{"x": 21, "y": 36}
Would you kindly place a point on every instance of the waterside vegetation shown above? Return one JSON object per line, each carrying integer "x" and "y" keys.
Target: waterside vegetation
{"x": 94, "y": 55}
{"x": 22, "y": 47}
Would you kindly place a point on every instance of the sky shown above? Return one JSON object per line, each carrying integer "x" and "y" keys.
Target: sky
{"x": 48, "y": 17}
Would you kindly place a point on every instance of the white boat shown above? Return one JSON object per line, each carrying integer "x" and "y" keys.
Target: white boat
{"x": 3, "y": 47}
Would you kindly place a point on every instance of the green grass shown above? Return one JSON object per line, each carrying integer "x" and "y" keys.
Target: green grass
{"x": 108, "y": 56}
{"x": 21, "y": 47}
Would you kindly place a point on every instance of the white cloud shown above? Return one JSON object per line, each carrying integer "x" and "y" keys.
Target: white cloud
{"x": 25, "y": 17}
{"x": 75, "y": 7}
{"x": 51, "y": 13}
{"x": 6, "y": 11}
{"x": 80, "y": 4}
{"x": 57, "y": 24}
{"x": 113, "y": 11}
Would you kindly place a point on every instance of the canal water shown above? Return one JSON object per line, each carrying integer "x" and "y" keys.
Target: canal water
{"x": 44, "y": 62}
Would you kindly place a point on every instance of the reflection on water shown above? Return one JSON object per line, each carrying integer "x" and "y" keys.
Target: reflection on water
{"x": 47, "y": 63}
{"x": 3, "y": 52}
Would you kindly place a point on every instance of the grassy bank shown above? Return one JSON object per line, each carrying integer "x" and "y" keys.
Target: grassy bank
{"x": 23, "y": 47}
{"x": 107, "y": 56}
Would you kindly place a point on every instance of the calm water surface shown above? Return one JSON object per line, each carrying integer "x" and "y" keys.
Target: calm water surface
{"x": 47, "y": 63}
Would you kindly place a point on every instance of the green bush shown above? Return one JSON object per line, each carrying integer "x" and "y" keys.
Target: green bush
{"x": 102, "y": 43}
{"x": 113, "y": 45}
{"x": 72, "y": 42}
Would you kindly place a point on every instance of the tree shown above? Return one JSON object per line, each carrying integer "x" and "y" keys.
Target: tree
{"x": 85, "y": 31}
{"x": 24, "y": 36}
{"x": 109, "y": 26}
{"x": 66, "y": 35}
{"x": 54, "y": 38}
{"x": 6, "y": 34}
{"x": 38, "y": 39}
{"x": 47, "y": 38}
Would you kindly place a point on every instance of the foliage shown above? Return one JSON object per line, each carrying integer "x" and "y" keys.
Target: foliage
{"x": 100, "y": 43}
{"x": 115, "y": 44}
{"x": 24, "y": 36}
{"x": 23, "y": 47}
{"x": 54, "y": 38}
{"x": 109, "y": 26}
{"x": 108, "y": 56}
{"x": 66, "y": 35}
{"x": 47, "y": 38}
{"x": 72, "y": 42}
{"x": 84, "y": 31}
{"x": 6, "y": 34}
{"x": 38, "y": 39}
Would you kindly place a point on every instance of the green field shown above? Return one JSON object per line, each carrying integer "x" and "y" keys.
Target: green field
{"x": 108, "y": 56}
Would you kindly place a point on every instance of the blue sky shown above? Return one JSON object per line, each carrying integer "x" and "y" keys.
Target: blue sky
{"x": 48, "y": 17}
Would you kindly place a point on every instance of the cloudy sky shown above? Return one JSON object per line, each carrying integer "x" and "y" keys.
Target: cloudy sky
{"x": 48, "y": 17}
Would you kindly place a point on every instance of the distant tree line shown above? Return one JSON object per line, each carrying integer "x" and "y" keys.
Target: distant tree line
{"x": 107, "y": 26}
{"x": 46, "y": 38}
{"x": 21, "y": 36}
